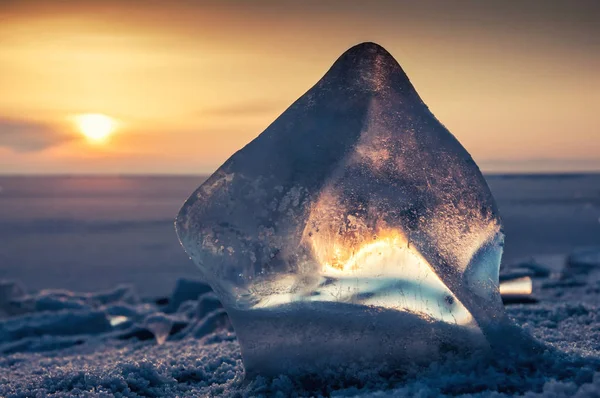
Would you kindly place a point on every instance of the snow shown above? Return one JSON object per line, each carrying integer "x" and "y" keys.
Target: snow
{"x": 74, "y": 351}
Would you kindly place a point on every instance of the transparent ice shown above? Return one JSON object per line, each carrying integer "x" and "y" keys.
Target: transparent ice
{"x": 160, "y": 326}
{"x": 354, "y": 229}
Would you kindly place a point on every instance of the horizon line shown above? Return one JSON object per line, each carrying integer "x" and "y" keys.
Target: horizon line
{"x": 133, "y": 175}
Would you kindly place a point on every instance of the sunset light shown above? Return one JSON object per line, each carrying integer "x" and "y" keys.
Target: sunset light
{"x": 95, "y": 127}
{"x": 299, "y": 198}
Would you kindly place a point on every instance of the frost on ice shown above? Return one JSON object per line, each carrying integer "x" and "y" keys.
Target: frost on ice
{"x": 355, "y": 228}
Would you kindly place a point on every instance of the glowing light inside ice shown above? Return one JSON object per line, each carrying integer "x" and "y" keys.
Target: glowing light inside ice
{"x": 385, "y": 272}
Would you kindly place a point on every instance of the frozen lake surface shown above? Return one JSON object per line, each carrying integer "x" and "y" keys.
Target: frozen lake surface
{"x": 92, "y": 233}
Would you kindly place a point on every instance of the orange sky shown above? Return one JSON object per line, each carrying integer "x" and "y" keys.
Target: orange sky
{"x": 191, "y": 82}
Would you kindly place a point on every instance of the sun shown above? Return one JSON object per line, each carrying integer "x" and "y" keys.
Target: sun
{"x": 96, "y": 127}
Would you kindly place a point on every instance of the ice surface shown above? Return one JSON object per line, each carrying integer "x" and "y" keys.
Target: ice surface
{"x": 9, "y": 292}
{"x": 517, "y": 289}
{"x": 186, "y": 290}
{"x": 160, "y": 325}
{"x": 535, "y": 269}
{"x": 355, "y": 218}
{"x": 583, "y": 261}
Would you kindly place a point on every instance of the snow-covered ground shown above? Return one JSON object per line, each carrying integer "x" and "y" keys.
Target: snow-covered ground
{"x": 109, "y": 343}
{"x": 127, "y": 334}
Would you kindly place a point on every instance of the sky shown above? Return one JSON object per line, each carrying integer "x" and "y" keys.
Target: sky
{"x": 188, "y": 83}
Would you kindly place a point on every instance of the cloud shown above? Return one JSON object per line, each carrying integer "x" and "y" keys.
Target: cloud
{"x": 29, "y": 136}
{"x": 245, "y": 109}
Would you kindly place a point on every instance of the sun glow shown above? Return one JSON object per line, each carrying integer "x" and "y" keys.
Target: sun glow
{"x": 96, "y": 127}
{"x": 365, "y": 256}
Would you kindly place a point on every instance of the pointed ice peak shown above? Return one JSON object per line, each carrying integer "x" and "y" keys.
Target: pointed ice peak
{"x": 368, "y": 67}
{"x": 367, "y": 50}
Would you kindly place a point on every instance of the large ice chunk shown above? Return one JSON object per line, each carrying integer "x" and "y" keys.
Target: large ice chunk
{"x": 354, "y": 228}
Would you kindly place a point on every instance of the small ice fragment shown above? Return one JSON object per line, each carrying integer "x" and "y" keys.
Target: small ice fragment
{"x": 207, "y": 303}
{"x": 51, "y": 301}
{"x": 583, "y": 260}
{"x": 133, "y": 312}
{"x": 537, "y": 270}
{"x": 188, "y": 308}
{"x": 120, "y": 294}
{"x": 514, "y": 273}
{"x": 185, "y": 290}
{"x": 516, "y": 287}
{"x": 355, "y": 228}
{"x": 160, "y": 326}
{"x": 117, "y": 320}
{"x": 9, "y": 292}
{"x": 212, "y": 322}
{"x": 521, "y": 286}
{"x": 63, "y": 323}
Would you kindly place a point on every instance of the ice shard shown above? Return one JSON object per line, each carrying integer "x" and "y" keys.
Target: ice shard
{"x": 355, "y": 228}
